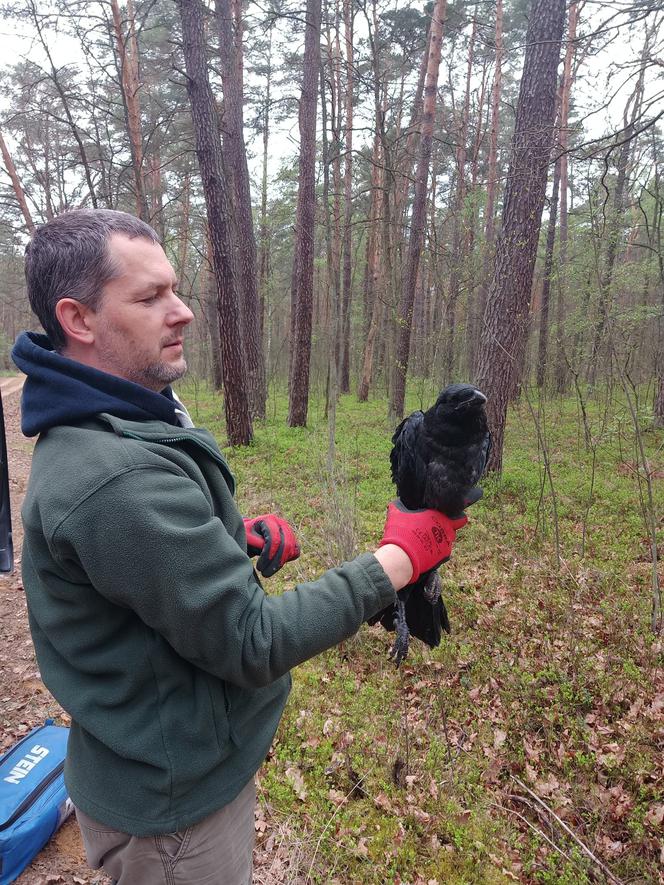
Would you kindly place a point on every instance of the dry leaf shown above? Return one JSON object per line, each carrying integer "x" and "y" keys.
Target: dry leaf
{"x": 546, "y": 787}
{"x": 655, "y": 816}
{"x": 294, "y": 775}
{"x": 507, "y": 873}
{"x": 361, "y": 847}
{"x": 499, "y": 738}
{"x": 611, "y": 848}
{"x": 381, "y": 801}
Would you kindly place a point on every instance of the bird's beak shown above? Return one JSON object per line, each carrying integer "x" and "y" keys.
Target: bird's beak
{"x": 477, "y": 398}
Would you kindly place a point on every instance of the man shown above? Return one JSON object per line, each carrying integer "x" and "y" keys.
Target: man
{"x": 149, "y": 622}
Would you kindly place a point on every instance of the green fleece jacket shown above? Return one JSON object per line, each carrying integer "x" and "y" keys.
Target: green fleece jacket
{"x": 151, "y": 627}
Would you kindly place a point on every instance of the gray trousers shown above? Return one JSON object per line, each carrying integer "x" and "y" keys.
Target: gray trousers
{"x": 215, "y": 851}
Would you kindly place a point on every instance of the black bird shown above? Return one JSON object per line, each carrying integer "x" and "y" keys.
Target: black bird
{"x": 438, "y": 456}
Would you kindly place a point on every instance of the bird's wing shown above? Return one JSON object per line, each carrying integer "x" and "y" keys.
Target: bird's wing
{"x": 486, "y": 449}
{"x": 408, "y": 468}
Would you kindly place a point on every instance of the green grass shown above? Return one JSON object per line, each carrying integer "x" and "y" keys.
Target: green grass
{"x": 550, "y": 675}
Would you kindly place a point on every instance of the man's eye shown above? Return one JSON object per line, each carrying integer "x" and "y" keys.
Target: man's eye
{"x": 150, "y": 299}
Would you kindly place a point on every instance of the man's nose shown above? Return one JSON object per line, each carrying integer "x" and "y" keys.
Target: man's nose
{"x": 180, "y": 314}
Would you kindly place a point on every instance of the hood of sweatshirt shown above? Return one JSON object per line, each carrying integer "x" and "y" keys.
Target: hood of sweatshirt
{"x": 62, "y": 391}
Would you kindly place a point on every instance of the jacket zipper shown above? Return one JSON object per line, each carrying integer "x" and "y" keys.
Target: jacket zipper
{"x": 36, "y": 793}
{"x": 176, "y": 439}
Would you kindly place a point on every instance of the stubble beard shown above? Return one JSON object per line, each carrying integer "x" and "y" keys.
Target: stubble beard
{"x": 159, "y": 375}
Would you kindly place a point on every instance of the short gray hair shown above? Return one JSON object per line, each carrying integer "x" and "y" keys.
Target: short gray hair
{"x": 68, "y": 258}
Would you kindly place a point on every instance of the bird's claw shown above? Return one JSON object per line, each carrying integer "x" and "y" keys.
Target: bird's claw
{"x": 432, "y": 588}
{"x": 399, "y": 649}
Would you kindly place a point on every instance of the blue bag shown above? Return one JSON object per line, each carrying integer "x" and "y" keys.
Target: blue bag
{"x": 33, "y": 797}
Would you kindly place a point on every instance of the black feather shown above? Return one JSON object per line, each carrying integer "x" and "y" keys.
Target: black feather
{"x": 437, "y": 459}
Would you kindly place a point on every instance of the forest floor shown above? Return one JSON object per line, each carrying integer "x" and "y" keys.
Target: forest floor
{"x": 528, "y": 747}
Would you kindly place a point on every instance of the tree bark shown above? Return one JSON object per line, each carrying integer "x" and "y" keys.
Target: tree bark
{"x": 156, "y": 191}
{"x": 212, "y": 314}
{"x": 344, "y": 380}
{"x": 264, "y": 228}
{"x": 617, "y": 211}
{"x": 208, "y": 150}
{"x": 236, "y": 164}
{"x": 18, "y": 188}
{"x": 372, "y": 293}
{"x": 303, "y": 259}
{"x": 568, "y": 78}
{"x": 507, "y": 307}
{"x": 331, "y": 322}
{"x": 458, "y": 239}
{"x": 543, "y": 346}
{"x": 333, "y": 224}
{"x": 129, "y": 89}
{"x": 412, "y": 138}
{"x": 418, "y": 219}
{"x": 492, "y": 186}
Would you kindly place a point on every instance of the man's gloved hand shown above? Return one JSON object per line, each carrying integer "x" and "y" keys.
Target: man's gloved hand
{"x": 426, "y": 536}
{"x": 271, "y": 539}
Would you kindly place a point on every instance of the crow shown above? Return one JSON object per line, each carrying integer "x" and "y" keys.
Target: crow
{"x": 437, "y": 458}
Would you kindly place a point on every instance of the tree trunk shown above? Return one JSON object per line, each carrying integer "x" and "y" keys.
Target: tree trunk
{"x": 344, "y": 380}
{"x": 333, "y": 159}
{"x": 492, "y": 185}
{"x": 303, "y": 258}
{"x": 236, "y": 164}
{"x": 542, "y": 352}
{"x": 507, "y": 307}
{"x": 458, "y": 238}
{"x": 379, "y": 352}
{"x": 617, "y": 211}
{"x": 16, "y": 184}
{"x": 568, "y": 77}
{"x": 156, "y": 191}
{"x": 372, "y": 294}
{"x": 412, "y": 138}
{"x": 183, "y": 238}
{"x": 264, "y": 229}
{"x": 657, "y": 242}
{"x": 129, "y": 89}
{"x": 331, "y": 322}
{"x": 212, "y": 314}
{"x": 208, "y": 150}
{"x": 418, "y": 219}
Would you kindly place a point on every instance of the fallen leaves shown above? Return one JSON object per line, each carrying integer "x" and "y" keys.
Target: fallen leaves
{"x": 296, "y": 779}
{"x": 654, "y": 816}
{"x": 499, "y": 738}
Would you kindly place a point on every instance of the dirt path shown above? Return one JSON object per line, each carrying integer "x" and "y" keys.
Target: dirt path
{"x": 25, "y": 702}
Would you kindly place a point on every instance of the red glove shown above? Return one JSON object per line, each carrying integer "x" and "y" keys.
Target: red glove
{"x": 272, "y": 537}
{"x": 427, "y": 536}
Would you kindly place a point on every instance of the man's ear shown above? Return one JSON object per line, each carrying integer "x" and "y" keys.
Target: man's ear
{"x": 74, "y": 318}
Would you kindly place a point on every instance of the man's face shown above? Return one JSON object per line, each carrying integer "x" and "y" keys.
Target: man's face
{"x": 138, "y": 327}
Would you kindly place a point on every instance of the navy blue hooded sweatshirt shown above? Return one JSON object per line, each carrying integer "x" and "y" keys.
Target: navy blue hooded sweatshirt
{"x": 62, "y": 391}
